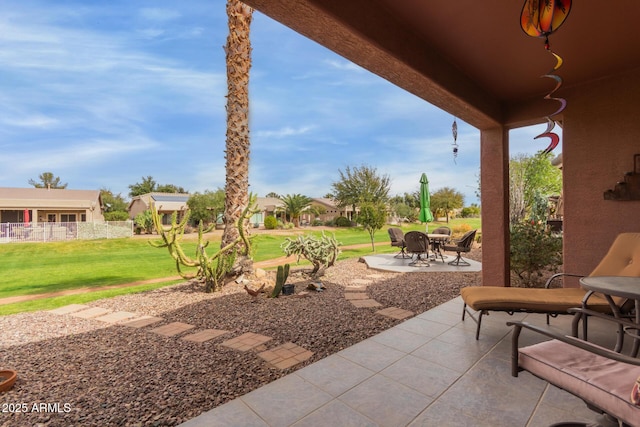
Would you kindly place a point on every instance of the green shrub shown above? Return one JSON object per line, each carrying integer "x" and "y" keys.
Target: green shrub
{"x": 116, "y": 216}
{"x": 144, "y": 220}
{"x": 472, "y": 211}
{"x": 342, "y": 221}
{"x": 270, "y": 222}
{"x": 316, "y": 223}
{"x": 330, "y": 223}
{"x": 460, "y": 229}
{"x": 534, "y": 251}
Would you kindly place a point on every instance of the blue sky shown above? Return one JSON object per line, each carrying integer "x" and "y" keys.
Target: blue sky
{"x": 102, "y": 93}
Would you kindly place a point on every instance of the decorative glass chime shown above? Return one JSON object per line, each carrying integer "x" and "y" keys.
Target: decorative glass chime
{"x": 454, "y": 131}
{"x": 540, "y": 18}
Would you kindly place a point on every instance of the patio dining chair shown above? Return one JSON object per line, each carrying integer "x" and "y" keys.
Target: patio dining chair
{"x": 397, "y": 239}
{"x": 417, "y": 244}
{"x": 462, "y": 245}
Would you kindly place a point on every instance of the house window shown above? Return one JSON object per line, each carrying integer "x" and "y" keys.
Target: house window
{"x": 83, "y": 217}
{"x": 67, "y": 217}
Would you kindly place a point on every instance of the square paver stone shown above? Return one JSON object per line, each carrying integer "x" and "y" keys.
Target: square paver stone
{"x": 143, "y": 321}
{"x": 246, "y": 341}
{"x": 360, "y": 282}
{"x": 364, "y": 303}
{"x": 356, "y": 295}
{"x": 355, "y": 288}
{"x": 286, "y": 355}
{"x": 395, "y": 313}
{"x": 172, "y": 329}
{"x": 116, "y": 317}
{"x": 68, "y": 309}
{"x": 206, "y": 335}
{"x": 91, "y": 313}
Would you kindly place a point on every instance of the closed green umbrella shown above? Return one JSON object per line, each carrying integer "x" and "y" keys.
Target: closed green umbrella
{"x": 425, "y": 201}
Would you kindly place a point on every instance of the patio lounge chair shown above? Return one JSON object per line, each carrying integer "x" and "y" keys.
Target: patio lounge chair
{"x": 602, "y": 378}
{"x": 462, "y": 245}
{"x": 622, "y": 259}
{"x": 397, "y": 239}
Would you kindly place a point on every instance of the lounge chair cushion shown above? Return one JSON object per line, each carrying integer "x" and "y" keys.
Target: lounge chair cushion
{"x": 598, "y": 380}
{"x": 531, "y": 300}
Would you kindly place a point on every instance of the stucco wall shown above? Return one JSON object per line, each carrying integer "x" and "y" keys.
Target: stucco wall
{"x": 601, "y": 134}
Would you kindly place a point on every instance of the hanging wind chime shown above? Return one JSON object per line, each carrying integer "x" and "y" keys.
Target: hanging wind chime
{"x": 454, "y": 131}
{"x": 540, "y": 18}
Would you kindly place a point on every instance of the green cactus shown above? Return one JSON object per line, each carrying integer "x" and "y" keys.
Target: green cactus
{"x": 211, "y": 269}
{"x": 281, "y": 279}
{"x": 321, "y": 252}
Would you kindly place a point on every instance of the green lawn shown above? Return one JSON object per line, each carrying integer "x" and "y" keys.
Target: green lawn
{"x": 37, "y": 268}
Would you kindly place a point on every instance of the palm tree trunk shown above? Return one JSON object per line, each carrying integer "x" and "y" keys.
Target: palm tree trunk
{"x": 238, "y": 60}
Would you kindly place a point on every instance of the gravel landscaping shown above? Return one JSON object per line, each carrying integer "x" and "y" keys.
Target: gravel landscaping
{"x": 74, "y": 371}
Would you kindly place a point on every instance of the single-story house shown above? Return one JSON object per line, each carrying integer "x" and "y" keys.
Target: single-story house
{"x": 332, "y": 211}
{"x": 267, "y": 206}
{"x": 165, "y": 203}
{"x": 34, "y": 205}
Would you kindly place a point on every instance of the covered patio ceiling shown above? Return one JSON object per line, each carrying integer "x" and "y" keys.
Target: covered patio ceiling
{"x": 469, "y": 58}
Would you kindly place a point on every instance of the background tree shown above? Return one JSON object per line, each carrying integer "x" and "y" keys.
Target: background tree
{"x": 149, "y": 185}
{"x": 273, "y": 195}
{"x": 532, "y": 179}
{"x": 294, "y": 205}
{"x": 47, "y": 180}
{"x": 446, "y": 200}
{"x": 372, "y": 216}
{"x": 170, "y": 188}
{"x": 237, "y": 148}
{"x": 116, "y": 207}
{"x": 360, "y": 185}
{"x": 317, "y": 210}
{"x": 206, "y": 206}
{"x": 406, "y": 206}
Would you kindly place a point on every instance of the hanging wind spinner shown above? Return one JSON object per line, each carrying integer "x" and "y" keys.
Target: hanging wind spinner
{"x": 454, "y": 131}
{"x": 540, "y": 18}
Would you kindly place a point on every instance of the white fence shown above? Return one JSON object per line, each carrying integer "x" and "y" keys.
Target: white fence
{"x": 56, "y": 231}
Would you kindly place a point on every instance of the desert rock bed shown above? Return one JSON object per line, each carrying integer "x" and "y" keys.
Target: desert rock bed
{"x": 89, "y": 373}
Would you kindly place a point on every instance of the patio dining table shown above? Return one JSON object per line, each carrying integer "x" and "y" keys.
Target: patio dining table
{"x": 438, "y": 240}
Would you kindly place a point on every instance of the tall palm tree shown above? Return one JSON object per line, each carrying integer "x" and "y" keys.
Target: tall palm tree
{"x": 238, "y": 59}
{"x": 295, "y": 204}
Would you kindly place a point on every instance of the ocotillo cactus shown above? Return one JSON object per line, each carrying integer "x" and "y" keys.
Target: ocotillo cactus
{"x": 281, "y": 279}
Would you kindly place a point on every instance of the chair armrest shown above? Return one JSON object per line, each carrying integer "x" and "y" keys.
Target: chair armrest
{"x": 555, "y": 276}
{"x": 576, "y": 342}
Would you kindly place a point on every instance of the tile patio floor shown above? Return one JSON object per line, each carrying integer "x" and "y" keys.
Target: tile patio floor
{"x": 427, "y": 371}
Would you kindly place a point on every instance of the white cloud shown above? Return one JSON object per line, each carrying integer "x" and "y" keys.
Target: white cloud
{"x": 344, "y": 65}
{"x": 283, "y": 132}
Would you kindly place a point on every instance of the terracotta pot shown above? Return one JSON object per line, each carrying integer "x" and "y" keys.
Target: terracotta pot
{"x": 7, "y": 379}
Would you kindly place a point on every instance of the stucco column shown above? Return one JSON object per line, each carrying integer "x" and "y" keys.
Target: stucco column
{"x": 494, "y": 181}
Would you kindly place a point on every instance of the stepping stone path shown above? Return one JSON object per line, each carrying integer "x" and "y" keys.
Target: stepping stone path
{"x": 172, "y": 329}
{"x": 355, "y": 292}
{"x": 143, "y": 321}
{"x": 285, "y": 355}
{"x": 206, "y": 335}
{"x": 246, "y": 341}
{"x": 280, "y": 357}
